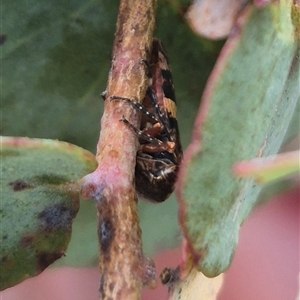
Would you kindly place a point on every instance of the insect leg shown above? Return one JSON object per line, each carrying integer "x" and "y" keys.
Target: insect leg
{"x": 163, "y": 118}
{"x": 155, "y": 145}
{"x": 138, "y": 106}
{"x": 141, "y": 134}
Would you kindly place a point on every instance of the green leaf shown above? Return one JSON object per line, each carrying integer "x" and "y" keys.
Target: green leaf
{"x": 56, "y": 58}
{"x": 39, "y": 200}
{"x": 247, "y": 106}
{"x": 267, "y": 169}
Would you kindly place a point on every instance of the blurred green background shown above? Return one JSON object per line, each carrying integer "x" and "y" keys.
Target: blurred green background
{"x": 55, "y": 61}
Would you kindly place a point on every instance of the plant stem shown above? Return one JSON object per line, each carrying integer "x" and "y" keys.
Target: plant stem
{"x": 124, "y": 269}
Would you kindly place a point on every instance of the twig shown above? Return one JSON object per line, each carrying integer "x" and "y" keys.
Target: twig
{"x": 124, "y": 269}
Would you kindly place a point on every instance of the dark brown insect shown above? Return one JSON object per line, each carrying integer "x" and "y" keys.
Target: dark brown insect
{"x": 160, "y": 152}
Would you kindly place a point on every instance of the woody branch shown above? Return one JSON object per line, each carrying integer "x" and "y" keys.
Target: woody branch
{"x": 123, "y": 267}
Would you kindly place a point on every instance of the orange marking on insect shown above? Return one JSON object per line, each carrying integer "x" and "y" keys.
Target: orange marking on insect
{"x": 170, "y": 107}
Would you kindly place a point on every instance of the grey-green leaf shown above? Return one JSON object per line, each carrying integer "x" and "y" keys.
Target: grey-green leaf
{"x": 39, "y": 200}
{"x": 247, "y": 106}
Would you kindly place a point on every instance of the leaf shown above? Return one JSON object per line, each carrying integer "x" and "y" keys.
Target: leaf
{"x": 246, "y": 108}
{"x": 56, "y": 56}
{"x": 270, "y": 168}
{"x": 39, "y": 201}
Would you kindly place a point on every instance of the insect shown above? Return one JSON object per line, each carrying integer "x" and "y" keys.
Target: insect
{"x": 160, "y": 152}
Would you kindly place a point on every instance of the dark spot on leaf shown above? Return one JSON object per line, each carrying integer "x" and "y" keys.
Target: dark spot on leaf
{"x": 4, "y": 237}
{"x": 27, "y": 240}
{"x": 56, "y": 217}
{"x": 50, "y": 179}
{"x": 19, "y": 185}
{"x": 3, "y": 38}
{"x": 106, "y": 234}
{"x": 44, "y": 259}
